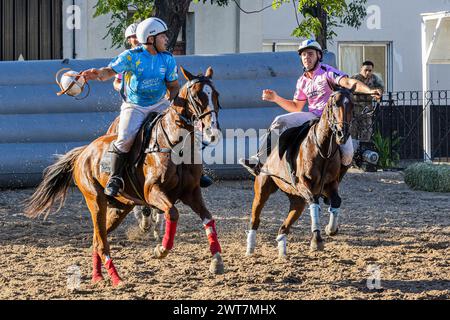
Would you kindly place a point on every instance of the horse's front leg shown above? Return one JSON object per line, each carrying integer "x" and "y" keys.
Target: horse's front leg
{"x": 161, "y": 201}
{"x": 195, "y": 201}
{"x": 297, "y": 204}
{"x": 317, "y": 243}
{"x": 335, "y": 203}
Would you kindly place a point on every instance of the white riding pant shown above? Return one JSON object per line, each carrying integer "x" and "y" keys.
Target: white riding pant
{"x": 131, "y": 118}
{"x": 295, "y": 119}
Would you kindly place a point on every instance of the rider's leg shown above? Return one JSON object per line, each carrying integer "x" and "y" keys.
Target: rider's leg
{"x": 131, "y": 119}
{"x": 115, "y": 183}
{"x": 255, "y": 163}
{"x": 347, "y": 157}
{"x": 278, "y": 126}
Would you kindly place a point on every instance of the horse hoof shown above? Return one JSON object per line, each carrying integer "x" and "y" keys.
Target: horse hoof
{"x": 250, "y": 252}
{"x": 316, "y": 246}
{"x": 118, "y": 283}
{"x": 160, "y": 252}
{"x": 331, "y": 233}
{"x": 282, "y": 256}
{"x": 216, "y": 266}
{"x": 145, "y": 224}
{"x": 96, "y": 279}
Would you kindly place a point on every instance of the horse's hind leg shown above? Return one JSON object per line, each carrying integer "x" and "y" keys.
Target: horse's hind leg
{"x": 263, "y": 188}
{"x": 297, "y": 204}
{"x": 335, "y": 203}
{"x": 97, "y": 205}
{"x": 195, "y": 201}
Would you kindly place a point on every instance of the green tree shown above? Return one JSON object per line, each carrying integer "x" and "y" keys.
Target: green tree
{"x": 320, "y": 17}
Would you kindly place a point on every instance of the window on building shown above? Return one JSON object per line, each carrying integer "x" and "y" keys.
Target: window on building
{"x": 279, "y": 46}
{"x": 353, "y": 54}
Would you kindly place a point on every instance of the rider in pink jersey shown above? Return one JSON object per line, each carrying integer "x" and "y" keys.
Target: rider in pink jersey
{"x": 315, "y": 86}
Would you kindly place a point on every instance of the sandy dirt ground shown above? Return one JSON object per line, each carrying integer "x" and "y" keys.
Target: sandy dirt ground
{"x": 385, "y": 226}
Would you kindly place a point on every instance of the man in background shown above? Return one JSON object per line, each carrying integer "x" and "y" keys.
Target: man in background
{"x": 363, "y": 109}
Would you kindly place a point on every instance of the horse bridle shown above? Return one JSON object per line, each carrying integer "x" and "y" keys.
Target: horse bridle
{"x": 332, "y": 122}
{"x": 197, "y": 115}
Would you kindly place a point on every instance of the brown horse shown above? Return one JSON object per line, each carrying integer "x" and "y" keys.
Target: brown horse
{"x": 317, "y": 161}
{"x": 160, "y": 180}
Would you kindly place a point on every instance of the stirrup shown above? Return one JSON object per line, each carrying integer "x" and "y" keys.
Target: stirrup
{"x": 253, "y": 169}
{"x": 114, "y": 186}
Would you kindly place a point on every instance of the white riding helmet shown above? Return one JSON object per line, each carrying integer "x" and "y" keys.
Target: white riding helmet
{"x": 310, "y": 44}
{"x": 150, "y": 27}
{"x": 131, "y": 30}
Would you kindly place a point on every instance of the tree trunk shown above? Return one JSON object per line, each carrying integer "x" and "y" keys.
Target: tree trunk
{"x": 322, "y": 36}
{"x": 174, "y": 13}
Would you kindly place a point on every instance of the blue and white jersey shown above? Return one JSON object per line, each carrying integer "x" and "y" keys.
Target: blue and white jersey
{"x": 145, "y": 75}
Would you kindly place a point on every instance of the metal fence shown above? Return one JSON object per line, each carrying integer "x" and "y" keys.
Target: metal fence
{"x": 399, "y": 117}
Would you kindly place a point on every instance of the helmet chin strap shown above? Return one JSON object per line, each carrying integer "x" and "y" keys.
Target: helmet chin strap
{"x": 153, "y": 44}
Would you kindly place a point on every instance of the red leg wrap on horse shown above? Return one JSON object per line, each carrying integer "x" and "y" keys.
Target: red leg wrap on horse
{"x": 112, "y": 272}
{"x": 211, "y": 232}
{"x": 96, "y": 267}
{"x": 169, "y": 236}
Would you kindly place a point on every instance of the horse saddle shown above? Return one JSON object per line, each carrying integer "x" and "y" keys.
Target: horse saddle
{"x": 139, "y": 148}
{"x": 290, "y": 141}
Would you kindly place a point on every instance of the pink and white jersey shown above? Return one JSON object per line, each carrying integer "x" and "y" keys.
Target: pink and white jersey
{"x": 317, "y": 90}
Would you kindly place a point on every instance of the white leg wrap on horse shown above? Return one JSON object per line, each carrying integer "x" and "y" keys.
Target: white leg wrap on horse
{"x": 251, "y": 241}
{"x": 333, "y": 224}
{"x": 282, "y": 239}
{"x": 314, "y": 211}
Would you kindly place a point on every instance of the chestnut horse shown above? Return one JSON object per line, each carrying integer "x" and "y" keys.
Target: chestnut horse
{"x": 317, "y": 161}
{"x": 161, "y": 181}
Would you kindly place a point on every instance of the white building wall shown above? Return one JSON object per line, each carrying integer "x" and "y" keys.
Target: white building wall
{"x": 89, "y": 42}
{"x": 278, "y": 26}
{"x": 226, "y": 29}
{"x": 400, "y": 22}
{"x": 214, "y": 30}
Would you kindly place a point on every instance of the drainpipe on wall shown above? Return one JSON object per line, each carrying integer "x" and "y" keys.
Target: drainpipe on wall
{"x": 74, "y": 51}
{"x": 238, "y": 27}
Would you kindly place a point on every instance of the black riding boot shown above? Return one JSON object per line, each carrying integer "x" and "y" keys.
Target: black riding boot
{"x": 205, "y": 181}
{"x": 115, "y": 183}
{"x": 255, "y": 168}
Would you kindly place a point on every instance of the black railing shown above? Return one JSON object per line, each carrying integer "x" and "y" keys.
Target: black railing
{"x": 399, "y": 116}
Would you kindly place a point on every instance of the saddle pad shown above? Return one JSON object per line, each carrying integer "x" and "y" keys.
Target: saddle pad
{"x": 290, "y": 141}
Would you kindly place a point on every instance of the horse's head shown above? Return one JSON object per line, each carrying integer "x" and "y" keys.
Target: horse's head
{"x": 340, "y": 112}
{"x": 202, "y": 104}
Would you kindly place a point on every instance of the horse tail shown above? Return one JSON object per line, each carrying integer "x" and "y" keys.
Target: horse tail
{"x": 57, "y": 179}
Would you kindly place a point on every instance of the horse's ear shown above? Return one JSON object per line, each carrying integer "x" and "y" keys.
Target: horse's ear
{"x": 209, "y": 73}
{"x": 186, "y": 74}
